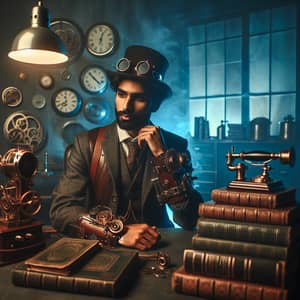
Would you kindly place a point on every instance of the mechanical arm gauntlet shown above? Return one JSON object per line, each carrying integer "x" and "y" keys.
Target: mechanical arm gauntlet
{"x": 172, "y": 180}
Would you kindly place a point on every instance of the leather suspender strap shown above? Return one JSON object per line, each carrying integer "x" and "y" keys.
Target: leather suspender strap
{"x": 96, "y": 154}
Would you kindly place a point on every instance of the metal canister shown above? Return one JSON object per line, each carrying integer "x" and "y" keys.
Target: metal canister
{"x": 201, "y": 128}
{"x": 287, "y": 128}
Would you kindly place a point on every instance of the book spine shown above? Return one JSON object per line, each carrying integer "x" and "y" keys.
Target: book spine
{"x": 22, "y": 277}
{"x": 242, "y": 248}
{"x": 234, "y": 267}
{"x": 214, "y": 288}
{"x": 249, "y": 214}
{"x": 248, "y": 232}
{"x": 253, "y": 199}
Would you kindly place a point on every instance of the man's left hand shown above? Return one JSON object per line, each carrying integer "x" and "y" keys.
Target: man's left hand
{"x": 151, "y": 135}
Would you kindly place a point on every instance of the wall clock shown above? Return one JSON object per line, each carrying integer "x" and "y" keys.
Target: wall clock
{"x": 102, "y": 39}
{"x": 38, "y": 101}
{"x": 70, "y": 130}
{"x": 71, "y": 35}
{"x": 46, "y": 81}
{"x": 12, "y": 96}
{"x": 93, "y": 79}
{"x": 98, "y": 111}
{"x": 67, "y": 102}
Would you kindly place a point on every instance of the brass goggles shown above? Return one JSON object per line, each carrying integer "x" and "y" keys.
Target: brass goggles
{"x": 142, "y": 68}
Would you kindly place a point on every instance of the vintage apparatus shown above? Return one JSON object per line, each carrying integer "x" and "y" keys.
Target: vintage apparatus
{"x": 20, "y": 235}
{"x": 262, "y": 182}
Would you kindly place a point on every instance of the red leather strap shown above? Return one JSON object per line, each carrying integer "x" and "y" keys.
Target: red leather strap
{"x": 96, "y": 154}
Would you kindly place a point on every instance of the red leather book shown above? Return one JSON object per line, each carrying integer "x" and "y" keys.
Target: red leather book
{"x": 221, "y": 289}
{"x": 255, "y": 199}
{"x": 280, "y": 216}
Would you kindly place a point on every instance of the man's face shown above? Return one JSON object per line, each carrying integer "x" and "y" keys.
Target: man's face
{"x": 132, "y": 105}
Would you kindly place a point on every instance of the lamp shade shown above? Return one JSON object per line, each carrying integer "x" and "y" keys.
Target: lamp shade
{"x": 38, "y": 44}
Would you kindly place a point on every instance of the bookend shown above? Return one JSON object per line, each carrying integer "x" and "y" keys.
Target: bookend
{"x": 261, "y": 182}
{"x": 20, "y": 235}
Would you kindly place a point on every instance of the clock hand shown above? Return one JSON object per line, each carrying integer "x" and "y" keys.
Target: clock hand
{"x": 91, "y": 74}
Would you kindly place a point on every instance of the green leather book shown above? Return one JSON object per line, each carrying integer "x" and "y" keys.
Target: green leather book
{"x": 106, "y": 273}
{"x": 244, "y": 248}
{"x": 280, "y": 235}
{"x": 63, "y": 256}
{"x": 236, "y": 267}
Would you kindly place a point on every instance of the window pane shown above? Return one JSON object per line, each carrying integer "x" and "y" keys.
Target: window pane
{"x": 233, "y": 66}
{"x": 259, "y": 64}
{"x": 284, "y": 61}
{"x": 215, "y": 113}
{"x": 233, "y": 27}
{"x": 259, "y": 22}
{"x": 215, "y": 30}
{"x": 197, "y": 70}
{"x": 215, "y": 68}
{"x": 197, "y": 109}
{"x": 234, "y": 110}
{"x": 283, "y": 17}
{"x": 282, "y": 106}
{"x": 196, "y": 34}
{"x": 259, "y": 107}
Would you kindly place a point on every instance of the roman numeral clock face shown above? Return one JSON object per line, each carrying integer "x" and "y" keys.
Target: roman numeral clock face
{"x": 67, "y": 102}
{"x": 101, "y": 39}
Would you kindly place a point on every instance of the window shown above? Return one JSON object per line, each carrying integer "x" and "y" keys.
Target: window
{"x": 262, "y": 42}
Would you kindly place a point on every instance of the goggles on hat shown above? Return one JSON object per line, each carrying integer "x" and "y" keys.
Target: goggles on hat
{"x": 142, "y": 68}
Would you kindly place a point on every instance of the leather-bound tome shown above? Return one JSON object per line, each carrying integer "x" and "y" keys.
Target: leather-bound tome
{"x": 107, "y": 273}
{"x": 63, "y": 256}
{"x": 254, "y": 198}
{"x": 221, "y": 289}
{"x": 281, "y": 216}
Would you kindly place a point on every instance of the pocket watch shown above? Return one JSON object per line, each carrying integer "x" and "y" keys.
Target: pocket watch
{"x": 71, "y": 35}
{"x": 93, "y": 79}
{"x": 102, "y": 39}
{"x": 12, "y": 96}
{"x": 67, "y": 102}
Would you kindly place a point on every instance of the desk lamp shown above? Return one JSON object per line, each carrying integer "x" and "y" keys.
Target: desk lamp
{"x": 38, "y": 44}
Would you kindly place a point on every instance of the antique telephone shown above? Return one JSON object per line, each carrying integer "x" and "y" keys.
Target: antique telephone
{"x": 20, "y": 234}
{"x": 262, "y": 182}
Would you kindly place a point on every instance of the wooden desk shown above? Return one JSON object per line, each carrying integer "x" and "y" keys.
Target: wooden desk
{"x": 147, "y": 287}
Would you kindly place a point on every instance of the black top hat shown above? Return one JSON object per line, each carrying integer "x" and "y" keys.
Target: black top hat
{"x": 145, "y": 65}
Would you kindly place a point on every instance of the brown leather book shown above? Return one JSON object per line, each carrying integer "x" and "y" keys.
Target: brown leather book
{"x": 255, "y": 199}
{"x": 280, "y": 216}
{"x": 107, "y": 273}
{"x": 237, "y": 267}
{"x": 221, "y": 289}
{"x": 63, "y": 256}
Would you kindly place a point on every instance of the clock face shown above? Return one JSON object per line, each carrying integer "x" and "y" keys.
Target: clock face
{"x": 93, "y": 79}
{"x": 38, "y": 101}
{"x": 12, "y": 96}
{"x": 46, "y": 81}
{"x": 101, "y": 39}
{"x": 67, "y": 102}
{"x": 71, "y": 35}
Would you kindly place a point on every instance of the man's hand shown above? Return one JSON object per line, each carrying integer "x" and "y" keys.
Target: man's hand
{"x": 151, "y": 135}
{"x": 140, "y": 236}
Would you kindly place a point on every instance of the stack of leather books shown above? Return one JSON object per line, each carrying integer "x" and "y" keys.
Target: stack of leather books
{"x": 246, "y": 247}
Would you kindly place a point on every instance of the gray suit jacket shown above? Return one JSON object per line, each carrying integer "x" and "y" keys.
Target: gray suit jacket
{"x": 73, "y": 196}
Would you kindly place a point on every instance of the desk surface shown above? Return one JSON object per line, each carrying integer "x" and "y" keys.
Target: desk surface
{"x": 173, "y": 241}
